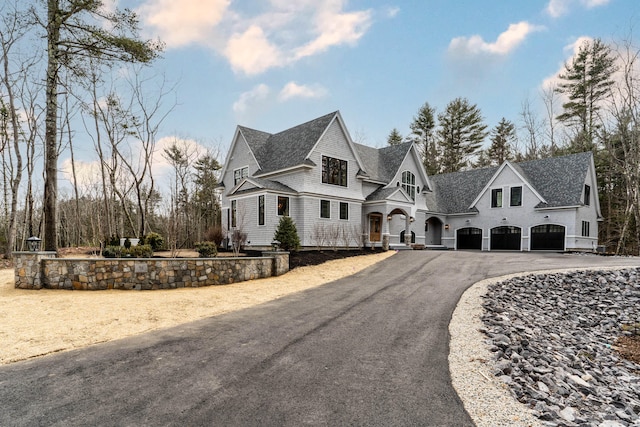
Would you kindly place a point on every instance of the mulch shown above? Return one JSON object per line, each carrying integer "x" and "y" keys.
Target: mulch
{"x": 628, "y": 346}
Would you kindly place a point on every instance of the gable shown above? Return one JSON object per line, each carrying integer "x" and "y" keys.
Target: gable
{"x": 507, "y": 176}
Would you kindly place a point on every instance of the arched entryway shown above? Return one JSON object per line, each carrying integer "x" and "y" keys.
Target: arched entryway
{"x": 506, "y": 238}
{"x": 469, "y": 238}
{"x": 547, "y": 237}
{"x": 433, "y": 231}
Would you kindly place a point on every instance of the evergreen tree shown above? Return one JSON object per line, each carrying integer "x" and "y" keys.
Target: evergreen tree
{"x": 395, "y": 137}
{"x": 422, "y": 128}
{"x": 460, "y": 134}
{"x": 502, "y": 138}
{"x": 287, "y": 234}
{"x": 206, "y": 200}
{"x": 586, "y": 81}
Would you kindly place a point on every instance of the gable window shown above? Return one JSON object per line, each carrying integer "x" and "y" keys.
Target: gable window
{"x": 261, "y": 210}
{"x": 515, "y": 196}
{"x": 334, "y": 171}
{"x": 344, "y": 210}
{"x": 325, "y": 209}
{"x": 409, "y": 184}
{"x": 585, "y": 228}
{"x": 283, "y": 206}
{"x": 240, "y": 174}
{"x": 234, "y": 209}
{"x": 496, "y": 198}
{"x": 587, "y": 195}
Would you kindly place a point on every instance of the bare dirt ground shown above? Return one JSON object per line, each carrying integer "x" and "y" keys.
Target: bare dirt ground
{"x": 35, "y": 323}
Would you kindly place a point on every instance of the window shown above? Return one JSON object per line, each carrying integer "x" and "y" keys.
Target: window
{"x": 344, "y": 210}
{"x": 585, "y": 228}
{"x": 325, "y": 209}
{"x": 234, "y": 209}
{"x": 334, "y": 171}
{"x": 587, "y": 195}
{"x": 261, "y": 210}
{"x": 240, "y": 174}
{"x": 283, "y": 206}
{"x": 409, "y": 184}
{"x": 496, "y": 198}
{"x": 516, "y": 196}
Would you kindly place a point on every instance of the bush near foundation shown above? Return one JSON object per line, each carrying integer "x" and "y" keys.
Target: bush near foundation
{"x": 207, "y": 249}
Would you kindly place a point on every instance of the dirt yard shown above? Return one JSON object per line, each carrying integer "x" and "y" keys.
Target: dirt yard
{"x": 36, "y": 323}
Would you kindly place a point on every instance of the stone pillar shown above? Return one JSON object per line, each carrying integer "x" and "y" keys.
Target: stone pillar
{"x": 280, "y": 262}
{"x": 385, "y": 242}
{"x": 28, "y": 269}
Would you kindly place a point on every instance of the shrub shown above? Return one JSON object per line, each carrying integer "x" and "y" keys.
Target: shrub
{"x": 127, "y": 243}
{"x": 155, "y": 240}
{"x": 112, "y": 251}
{"x": 140, "y": 251}
{"x": 215, "y": 234}
{"x": 113, "y": 240}
{"x": 238, "y": 239}
{"x": 207, "y": 249}
{"x": 287, "y": 234}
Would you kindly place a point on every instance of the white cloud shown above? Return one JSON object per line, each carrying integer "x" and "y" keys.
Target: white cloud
{"x": 179, "y": 23}
{"x": 557, "y": 8}
{"x": 258, "y": 93}
{"x": 392, "y": 12}
{"x": 504, "y": 44}
{"x": 294, "y": 90}
{"x": 281, "y": 34}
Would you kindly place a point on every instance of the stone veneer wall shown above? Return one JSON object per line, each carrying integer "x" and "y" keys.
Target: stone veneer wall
{"x": 152, "y": 273}
{"x": 28, "y": 269}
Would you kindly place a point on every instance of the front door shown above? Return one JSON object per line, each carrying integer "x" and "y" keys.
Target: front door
{"x": 375, "y": 227}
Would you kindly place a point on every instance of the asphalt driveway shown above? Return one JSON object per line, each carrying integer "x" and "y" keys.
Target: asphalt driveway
{"x": 370, "y": 349}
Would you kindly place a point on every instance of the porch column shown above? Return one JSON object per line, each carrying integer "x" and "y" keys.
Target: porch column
{"x": 407, "y": 231}
{"x": 385, "y": 233}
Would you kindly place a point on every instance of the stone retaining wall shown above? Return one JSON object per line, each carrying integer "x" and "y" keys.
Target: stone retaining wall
{"x": 142, "y": 273}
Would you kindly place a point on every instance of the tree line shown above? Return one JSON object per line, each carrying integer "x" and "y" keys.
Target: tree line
{"x": 75, "y": 76}
{"x": 594, "y": 106}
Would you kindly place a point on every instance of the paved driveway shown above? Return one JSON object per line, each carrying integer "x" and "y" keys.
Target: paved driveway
{"x": 370, "y": 349}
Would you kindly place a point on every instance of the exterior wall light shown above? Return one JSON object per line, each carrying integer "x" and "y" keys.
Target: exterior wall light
{"x": 33, "y": 244}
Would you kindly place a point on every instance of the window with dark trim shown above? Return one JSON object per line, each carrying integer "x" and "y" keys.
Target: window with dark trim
{"x": 496, "y": 198}
{"x": 334, "y": 171}
{"x": 344, "y": 210}
{"x": 261, "y": 210}
{"x": 283, "y": 206}
{"x": 585, "y": 228}
{"x": 240, "y": 174}
{"x": 234, "y": 209}
{"x": 325, "y": 209}
{"x": 409, "y": 184}
{"x": 587, "y": 195}
{"x": 515, "y": 198}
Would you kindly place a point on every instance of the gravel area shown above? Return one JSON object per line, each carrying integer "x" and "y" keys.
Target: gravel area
{"x": 524, "y": 359}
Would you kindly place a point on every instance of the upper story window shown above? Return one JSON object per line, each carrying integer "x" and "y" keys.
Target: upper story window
{"x": 515, "y": 198}
{"x": 496, "y": 198}
{"x": 240, "y": 174}
{"x": 409, "y": 184}
{"x": 283, "y": 206}
{"x": 587, "y": 195}
{"x": 334, "y": 171}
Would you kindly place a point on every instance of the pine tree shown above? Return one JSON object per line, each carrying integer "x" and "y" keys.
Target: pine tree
{"x": 395, "y": 137}
{"x": 502, "y": 139}
{"x": 422, "y": 128}
{"x": 287, "y": 234}
{"x": 460, "y": 134}
{"x": 586, "y": 81}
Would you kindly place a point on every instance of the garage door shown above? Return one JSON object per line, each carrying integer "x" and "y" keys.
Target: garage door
{"x": 469, "y": 238}
{"x": 506, "y": 238}
{"x": 547, "y": 237}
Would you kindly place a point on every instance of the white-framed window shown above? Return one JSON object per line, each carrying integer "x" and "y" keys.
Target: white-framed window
{"x": 325, "y": 209}
{"x": 409, "y": 183}
{"x": 587, "y": 195}
{"x": 283, "y": 206}
{"x": 234, "y": 212}
{"x": 496, "y": 198}
{"x": 344, "y": 210}
{"x": 515, "y": 196}
{"x": 239, "y": 174}
{"x": 585, "y": 228}
{"x": 261, "y": 209}
{"x": 334, "y": 171}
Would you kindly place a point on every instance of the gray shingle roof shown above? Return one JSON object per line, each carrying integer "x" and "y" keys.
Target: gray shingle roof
{"x": 381, "y": 164}
{"x": 559, "y": 180}
{"x": 288, "y": 148}
{"x": 267, "y": 184}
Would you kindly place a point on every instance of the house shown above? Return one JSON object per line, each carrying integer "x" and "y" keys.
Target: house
{"x": 343, "y": 194}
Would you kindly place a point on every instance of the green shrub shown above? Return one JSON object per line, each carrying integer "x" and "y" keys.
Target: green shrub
{"x": 207, "y": 249}
{"x": 140, "y": 251}
{"x": 127, "y": 243}
{"x": 112, "y": 251}
{"x": 155, "y": 240}
{"x": 287, "y": 234}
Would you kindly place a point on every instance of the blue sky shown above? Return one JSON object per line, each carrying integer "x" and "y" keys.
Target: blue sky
{"x": 273, "y": 64}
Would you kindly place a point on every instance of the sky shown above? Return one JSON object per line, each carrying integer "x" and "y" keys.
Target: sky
{"x": 274, "y": 64}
